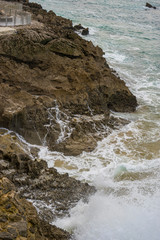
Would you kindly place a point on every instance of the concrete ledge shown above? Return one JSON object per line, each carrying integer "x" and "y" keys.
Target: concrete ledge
{"x": 7, "y": 30}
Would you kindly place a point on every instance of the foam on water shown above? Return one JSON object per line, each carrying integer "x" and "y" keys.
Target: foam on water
{"x": 109, "y": 218}
{"x": 122, "y": 147}
{"x": 128, "y": 178}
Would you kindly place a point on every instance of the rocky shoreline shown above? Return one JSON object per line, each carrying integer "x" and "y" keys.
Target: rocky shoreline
{"x": 56, "y": 90}
{"x": 48, "y": 71}
{"x": 52, "y": 193}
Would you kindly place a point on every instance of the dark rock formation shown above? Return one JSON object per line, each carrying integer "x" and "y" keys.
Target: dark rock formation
{"x": 34, "y": 180}
{"x": 46, "y": 65}
{"x": 81, "y": 29}
{"x": 85, "y": 31}
{"x": 19, "y": 219}
{"x": 150, "y": 6}
{"x": 78, "y": 27}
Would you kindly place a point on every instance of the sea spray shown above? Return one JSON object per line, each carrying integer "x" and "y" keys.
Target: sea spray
{"x": 119, "y": 171}
{"x": 107, "y": 217}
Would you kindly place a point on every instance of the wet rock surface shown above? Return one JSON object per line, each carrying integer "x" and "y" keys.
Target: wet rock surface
{"x": 150, "y": 5}
{"x": 52, "y": 193}
{"x": 19, "y": 219}
{"x": 81, "y": 29}
{"x": 46, "y": 65}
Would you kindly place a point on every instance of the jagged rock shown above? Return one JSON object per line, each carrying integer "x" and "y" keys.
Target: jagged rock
{"x": 46, "y": 65}
{"x": 85, "y": 31}
{"x": 150, "y": 6}
{"x": 81, "y": 29}
{"x": 19, "y": 219}
{"x": 66, "y": 48}
{"x": 78, "y": 27}
{"x": 34, "y": 180}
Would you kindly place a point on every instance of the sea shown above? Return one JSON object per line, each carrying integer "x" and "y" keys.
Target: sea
{"x": 125, "y": 166}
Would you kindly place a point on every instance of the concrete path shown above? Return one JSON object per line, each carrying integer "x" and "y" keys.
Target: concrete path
{"x": 7, "y": 30}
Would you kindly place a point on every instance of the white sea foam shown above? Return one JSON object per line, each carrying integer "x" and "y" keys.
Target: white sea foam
{"x": 121, "y": 209}
{"x": 115, "y": 57}
{"x": 107, "y": 217}
{"x": 121, "y": 147}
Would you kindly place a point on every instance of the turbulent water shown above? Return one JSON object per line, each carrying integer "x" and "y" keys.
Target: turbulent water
{"x": 125, "y": 166}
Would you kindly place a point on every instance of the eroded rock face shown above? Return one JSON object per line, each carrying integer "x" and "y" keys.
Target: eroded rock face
{"x": 19, "y": 219}
{"x": 55, "y": 89}
{"x": 47, "y": 65}
{"x": 52, "y": 193}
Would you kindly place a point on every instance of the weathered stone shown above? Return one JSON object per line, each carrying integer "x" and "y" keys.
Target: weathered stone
{"x": 12, "y": 231}
{"x": 3, "y": 164}
{"x": 29, "y": 226}
{"x": 21, "y": 226}
{"x": 85, "y": 31}
{"x": 3, "y": 218}
{"x": 81, "y": 29}
{"x": 6, "y": 236}
{"x": 66, "y": 48}
{"x": 36, "y": 182}
{"x": 78, "y": 27}
{"x": 150, "y": 6}
{"x": 46, "y": 65}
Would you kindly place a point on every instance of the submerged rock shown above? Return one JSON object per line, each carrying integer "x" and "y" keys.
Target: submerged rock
{"x": 150, "y": 6}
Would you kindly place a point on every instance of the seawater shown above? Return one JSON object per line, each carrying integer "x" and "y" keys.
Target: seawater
{"x": 125, "y": 166}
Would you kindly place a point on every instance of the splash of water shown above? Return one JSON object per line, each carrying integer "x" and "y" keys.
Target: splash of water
{"x": 108, "y": 218}
{"x": 62, "y": 119}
